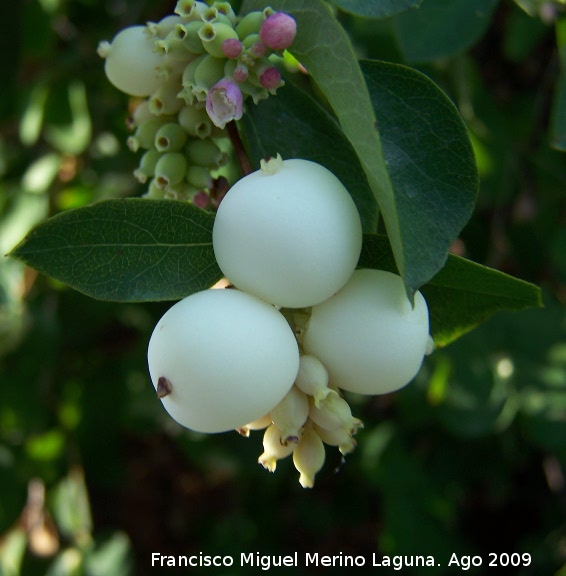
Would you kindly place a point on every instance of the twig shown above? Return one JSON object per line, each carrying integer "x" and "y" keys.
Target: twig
{"x": 241, "y": 157}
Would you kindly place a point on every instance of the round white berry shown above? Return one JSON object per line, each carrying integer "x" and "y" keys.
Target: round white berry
{"x": 131, "y": 63}
{"x": 289, "y": 233}
{"x": 368, "y": 336}
{"x": 222, "y": 358}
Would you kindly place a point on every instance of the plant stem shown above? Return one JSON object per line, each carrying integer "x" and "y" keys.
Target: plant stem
{"x": 241, "y": 157}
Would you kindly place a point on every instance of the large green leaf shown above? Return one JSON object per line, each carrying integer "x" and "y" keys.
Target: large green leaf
{"x": 442, "y": 28}
{"x": 430, "y": 161}
{"x": 129, "y": 250}
{"x": 295, "y": 125}
{"x": 462, "y": 295}
{"x": 376, "y": 8}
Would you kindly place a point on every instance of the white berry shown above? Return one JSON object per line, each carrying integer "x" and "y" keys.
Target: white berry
{"x": 222, "y": 358}
{"x": 289, "y": 233}
{"x": 368, "y": 336}
{"x": 131, "y": 63}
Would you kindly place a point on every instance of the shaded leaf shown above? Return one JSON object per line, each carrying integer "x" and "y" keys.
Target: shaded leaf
{"x": 71, "y": 507}
{"x": 126, "y": 250}
{"x": 442, "y": 28}
{"x": 462, "y": 295}
{"x": 295, "y": 125}
{"x": 111, "y": 557}
{"x": 74, "y": 137}
{"x": 376, "y": 8}
{"x": 475, "y": 400}
{"x": 430, "y": 161}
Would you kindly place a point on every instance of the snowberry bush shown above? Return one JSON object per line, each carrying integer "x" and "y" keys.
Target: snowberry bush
{"x": 324, "y": 193}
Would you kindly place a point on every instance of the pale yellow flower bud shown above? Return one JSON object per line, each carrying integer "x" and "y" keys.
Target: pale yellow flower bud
{"x": 337, "y": 437}
{"x": 258, "y": 424}
{"x": 273, "y": 450}
{"x": 312, "y": 379}
{"x": 334, "y": 413}
{"x": 309, "y": 457}
{"x": 290, "y": 415}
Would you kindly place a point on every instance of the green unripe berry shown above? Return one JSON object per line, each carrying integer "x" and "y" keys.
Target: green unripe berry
{"x": 144, "y": 136}
{"x": 170, "y": 137}
{"x": 207, "y": 74}
{"x": 205, "y": 153}
{"x": 146, "y": 168}
{"x": 199, "y": 177}
{"x": 173, "y": 45}
{"x": 170, "y": 169}
{"x": 165, "y": 99}
{"x": 225, "y": 8}
{"x": 188, "y": 80}
{"x": 214, "y": 16}
{"x": 190, "y": 10}
{"x": 164, "y": 26}
{"x": 250, "y": 24}
{"x": 213, "y": 35}
{"x": 192, "y": 41}
{"x": 195, "y": 121}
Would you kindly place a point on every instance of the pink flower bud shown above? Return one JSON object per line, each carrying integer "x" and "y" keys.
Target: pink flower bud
{"x": 201, "y": 199}
{"x": 270, "y": 78}
{"x": 224, "y": 102}
{"x": 258, "y": 49}
{"x": 278, "y": 31}
{"x": 232, "y": 48}
{"x": 240, "y": 73}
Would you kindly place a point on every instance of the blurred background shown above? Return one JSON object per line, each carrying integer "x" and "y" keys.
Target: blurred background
{"x": 470, "y": 458}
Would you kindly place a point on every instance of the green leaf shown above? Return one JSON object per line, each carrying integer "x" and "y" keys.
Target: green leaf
{"x": 376, "y": 8}
{"x": 442, "y": 28}
{"x": 131, "y": 250}
{"x": 12, "y": 551}
{"x": 531, "y": 7}
{"x": 295, "y": 125}
{"x": 430, "y": 161}
{"x": 462, "y": 295}
{"x": 475, "y": 399}
{"x": 74, "y": 137}
{"x": 111, "y": 557}
{"x": 71, "y": 507}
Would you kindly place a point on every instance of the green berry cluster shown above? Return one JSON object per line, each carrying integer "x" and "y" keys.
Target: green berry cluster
{"x": 194, "y": 69}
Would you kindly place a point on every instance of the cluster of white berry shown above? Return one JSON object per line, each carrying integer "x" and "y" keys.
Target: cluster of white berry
{"x": 299, "y": 326}
{"x": 194, "y": 69}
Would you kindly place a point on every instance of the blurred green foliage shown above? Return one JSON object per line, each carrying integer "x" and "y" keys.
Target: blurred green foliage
{"x": 470, "y": 458}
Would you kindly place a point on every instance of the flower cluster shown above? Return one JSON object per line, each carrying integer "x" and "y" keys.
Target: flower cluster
{"x": 311, "y": 414}
{"x": 195, "y": 69}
